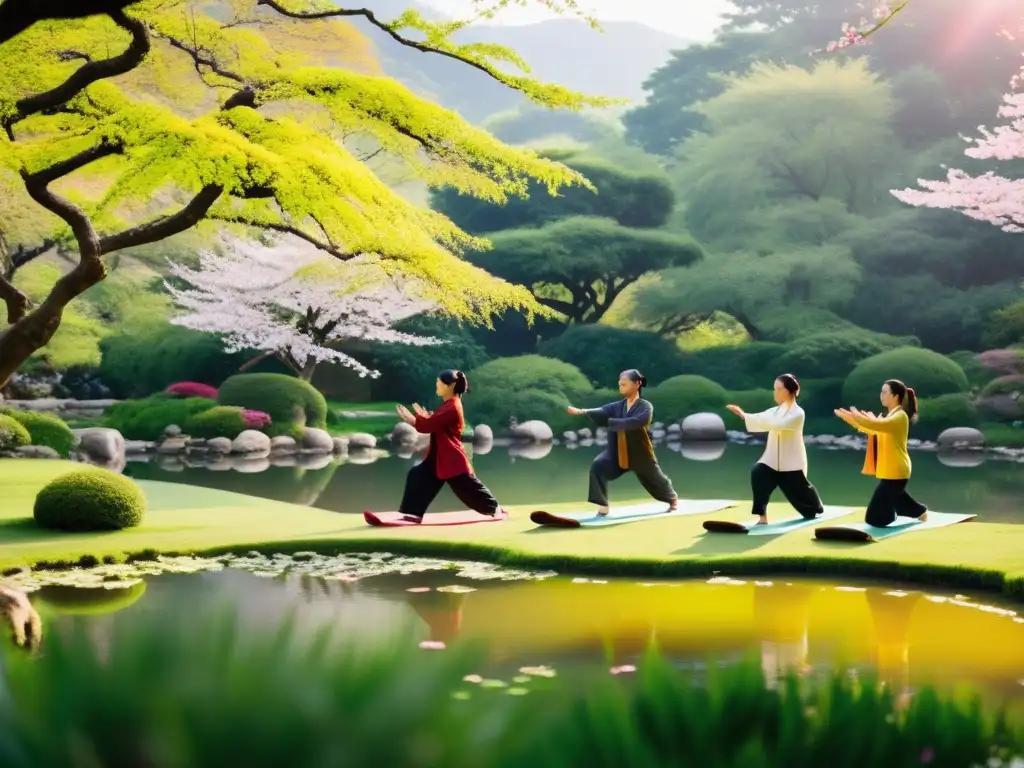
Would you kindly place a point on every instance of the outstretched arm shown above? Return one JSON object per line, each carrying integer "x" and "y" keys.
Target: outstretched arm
{"x": 441, "y": 419}
{"x": 891, "y": 424}
{"x": 600, "y": 416}
{"x": 773, "y": 421}
{"x": 639, "y": 419}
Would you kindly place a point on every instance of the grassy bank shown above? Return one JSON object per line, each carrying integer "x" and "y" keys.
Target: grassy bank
{"x": 185, "y": 519}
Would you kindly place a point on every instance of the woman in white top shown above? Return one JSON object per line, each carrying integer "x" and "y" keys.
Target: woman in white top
{"x": 784, "y": 463}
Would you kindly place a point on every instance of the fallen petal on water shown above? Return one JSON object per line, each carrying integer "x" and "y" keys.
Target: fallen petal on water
{"x": 418, "y": 589}
{"x": 538, "y": 671}
{"x": 457, "y": 589}
{"x": 475, "y": 679}
{"x": 493, "y": 684}
{"x": 625, "y": 668}
{"x": 580, "y": 581}
{"x": 432, "y": 645}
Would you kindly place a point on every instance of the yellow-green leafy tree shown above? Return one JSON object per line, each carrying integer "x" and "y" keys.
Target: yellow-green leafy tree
{"x": 136, "y": 125}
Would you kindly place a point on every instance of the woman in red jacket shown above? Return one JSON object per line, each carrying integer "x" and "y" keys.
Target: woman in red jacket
{"x": 446, "y": 460}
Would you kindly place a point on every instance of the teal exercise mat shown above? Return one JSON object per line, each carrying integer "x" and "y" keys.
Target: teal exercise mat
{"x": 779, "y": 528}
{"x": 631, "y": 514}
{"x": 862, "y": 532}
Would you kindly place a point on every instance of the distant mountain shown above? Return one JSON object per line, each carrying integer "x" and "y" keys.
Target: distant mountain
{"x": 613, "y": 62}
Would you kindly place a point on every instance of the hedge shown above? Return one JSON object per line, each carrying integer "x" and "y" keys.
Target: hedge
{"x": 12, "y": 434}
{"x": 146, "y": 418}
{"x": 602, "y": 352}
{"x": 680, "y": 396}
{"x": 219, "y": 421}
{"x": 929, "y": 373}
{"x": 45, "y": 429}
{"x": 290, "y": 402}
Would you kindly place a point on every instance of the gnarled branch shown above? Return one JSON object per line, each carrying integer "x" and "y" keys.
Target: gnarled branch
{"x": 165, "y": 226}
{"x": 367, "y": 14}
{"x": 88, "y": 73}
{"x": 18, "y": 15}
{"x": 17, "y": 302}
{"x": 324, "y": 245}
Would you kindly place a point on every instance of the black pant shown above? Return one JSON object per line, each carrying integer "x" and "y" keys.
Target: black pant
{"x": 606, "y": 468}
{"x": 794, "y": 486}
{"x": 422, "y": 486}
{"x": 889, "y": 500}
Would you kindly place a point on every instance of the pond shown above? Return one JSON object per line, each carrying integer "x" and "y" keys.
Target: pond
{"x": 909, "y": 638}
{"x": 993, "y": 489}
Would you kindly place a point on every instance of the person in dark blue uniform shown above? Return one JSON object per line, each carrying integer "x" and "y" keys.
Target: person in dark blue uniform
{"x": 629, "y": 446}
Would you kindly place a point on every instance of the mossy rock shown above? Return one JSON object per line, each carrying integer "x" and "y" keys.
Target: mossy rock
{"x": 90, "y": 500}
{"x": 929, "y": 373}
{"x": 287, "y": 400}
{"x": 13, "y": 434}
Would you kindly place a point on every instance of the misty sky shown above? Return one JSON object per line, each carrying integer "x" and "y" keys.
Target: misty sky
{"x": 693, "y": 19}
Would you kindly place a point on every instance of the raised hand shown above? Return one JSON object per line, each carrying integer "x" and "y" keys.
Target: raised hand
{"x": 419, "y": 410}
{"x": 404, "y": 415}
{"x": 574, "y": 411}
{"x": 737, "y": 410}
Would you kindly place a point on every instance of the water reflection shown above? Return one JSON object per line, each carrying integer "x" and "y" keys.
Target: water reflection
{"x": 907, "y": 638}
{"x": 525, "y": 474}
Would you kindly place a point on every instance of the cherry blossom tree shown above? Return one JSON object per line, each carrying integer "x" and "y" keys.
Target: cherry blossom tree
{"x": 285, "y": 301}
{"x": 989, "y": 197}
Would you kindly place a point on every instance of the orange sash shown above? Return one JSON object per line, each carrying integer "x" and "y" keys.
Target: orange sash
{"x": 871, "y": 459}
{"x": 623, "y": 455}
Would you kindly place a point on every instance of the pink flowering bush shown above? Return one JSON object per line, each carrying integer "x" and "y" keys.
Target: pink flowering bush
{"x": 255, "y": 419}
{"x": 192, "y": 389}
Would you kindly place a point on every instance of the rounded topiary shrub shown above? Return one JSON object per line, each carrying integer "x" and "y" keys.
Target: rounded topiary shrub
{"x": 47, "y": 430}
{"x": 192, "y": 389}
{"x": 601, "y": 352}
{"x": 146, "y": 418}
{"x": 90, "y": 500}
{"x": 12, "y": 434}
{"x": 219, "y": 421}
{"x": 832, "y": 354}
{"x": 509, "y": 374}
{"x": 820, "y": 397}
{"x": 678, "y": 397}
{"x": 287, "y": 400}
{"x": 929, "y": 373}
{"x": 939, "y": 413}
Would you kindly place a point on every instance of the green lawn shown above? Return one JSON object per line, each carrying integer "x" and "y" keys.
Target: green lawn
{"x": 384, "y": 407}
{"x": 186, "y": 519}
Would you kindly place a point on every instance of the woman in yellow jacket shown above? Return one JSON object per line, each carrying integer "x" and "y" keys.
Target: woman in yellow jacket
{"x": 887, "y": 458}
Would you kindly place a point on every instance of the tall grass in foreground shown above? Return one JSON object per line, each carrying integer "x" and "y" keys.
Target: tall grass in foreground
{"x": 200, "y": 692}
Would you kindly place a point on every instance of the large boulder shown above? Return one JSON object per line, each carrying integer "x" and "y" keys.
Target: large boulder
{"x": 533, "y": 431}
{"x": 404, "y": 434}
{"x": 251, "y": 443}
{"x": 340, "y": 445}
{"x": 361, "y": 441}
{"x": 315, "y": 441}
{"x": 220, "y": 446}
{"x": 101, "y": 447}
{"x": 701, "y": 427}
{"x": 283, "y": 445}
{"x": 960, "y": 437}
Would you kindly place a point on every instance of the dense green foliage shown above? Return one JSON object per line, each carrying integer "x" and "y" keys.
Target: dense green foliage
{"x": 269, "y": 698}
{"x": 289, "y": 401}
{"x": 527, "y": 387}
{"x": 148, "y": 360}
{"x": 601, "y": 352}
{"x": 45, "y": 429}
{"x": 12, "y": 433}
{"x": 91, "y": 499}
{"x": 148, "y": 417}
{"x": 680, "y": 396}
{"x": 929, "y": 373}
{"x": 407, "y": 372}
{"x": 219, "y": 421}
{"x": 752, "y": 400}
{"x": 832, "y": 354}
{"x": 745, "y": 366}
{"x": 631, "y": 199}
{"x": 942, "y": 412}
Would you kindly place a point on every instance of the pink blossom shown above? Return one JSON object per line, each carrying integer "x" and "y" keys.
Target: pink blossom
{"x": 1008, "y": 361}
{"x": 418, "y": 589}
{"x": 623, "y": 669}
{"x": 293, "y": 302}
{"x": 432, "y": 645}
{"x": 192, "y": 389}
{"x": 255, "y": 419}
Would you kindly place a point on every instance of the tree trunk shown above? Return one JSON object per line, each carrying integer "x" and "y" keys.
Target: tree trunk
{"x": 28, "y": 333}
{"x": 306, "y": 372}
